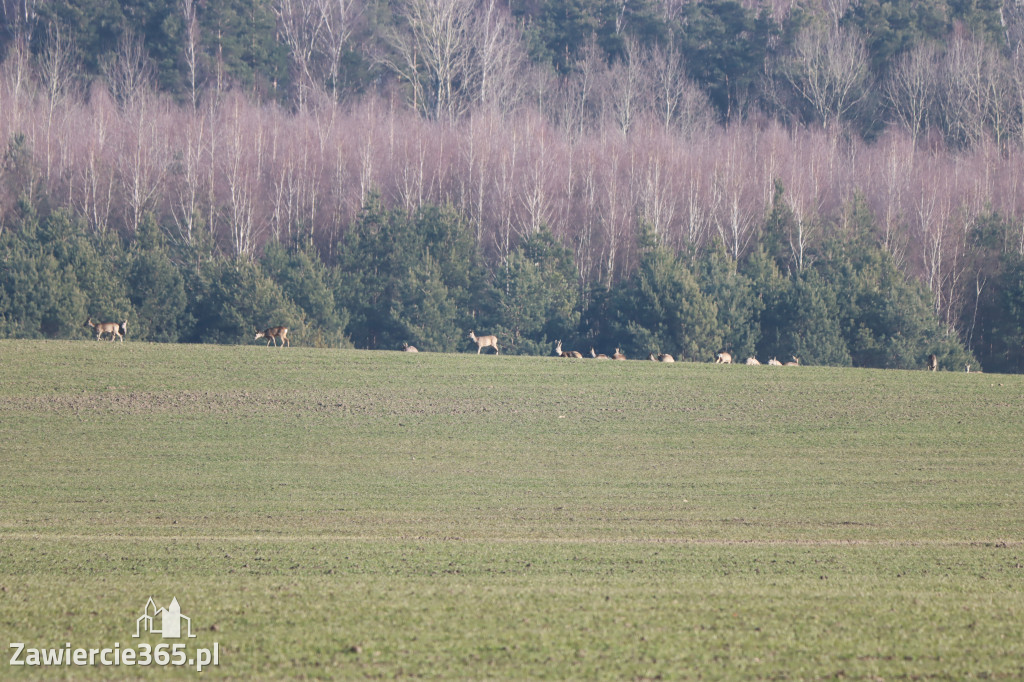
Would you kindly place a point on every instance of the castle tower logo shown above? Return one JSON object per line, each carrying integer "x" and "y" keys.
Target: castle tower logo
{"x": 163, "y": 621}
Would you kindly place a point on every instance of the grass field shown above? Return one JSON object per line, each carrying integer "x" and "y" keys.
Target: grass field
{"x": 329, "y": 514}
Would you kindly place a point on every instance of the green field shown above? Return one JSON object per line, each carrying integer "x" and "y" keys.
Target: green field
{"x": 349, "y": 514}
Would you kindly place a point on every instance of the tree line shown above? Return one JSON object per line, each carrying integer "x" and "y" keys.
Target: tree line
{"x": 419, "y": 278}
{"x": 240, "y": 129}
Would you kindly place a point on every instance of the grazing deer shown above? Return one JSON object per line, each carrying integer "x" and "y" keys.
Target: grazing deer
{"x": 484, "y": 341}
{"x": 115, "y": 329}
{"x": 663, "y": 357}
{"x": 409, "y": 349}
{"x": 273, "y": 334}
{"x": 794, "y": 363}
{"x": 933, "y": 362}
{"x": 752, "y": 361}
{"x": 618, "y": 355}
{"x": 597, "y": 356}
{"x": 723, "y": 358}
{"x": 774, "y": 363}
{"x": 566, "y": 354}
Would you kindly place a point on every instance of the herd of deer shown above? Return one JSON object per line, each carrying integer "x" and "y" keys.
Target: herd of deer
{"x": 722, "y": 358}
{"x": 272, "y": 334}
{"x": 725, "y": 358}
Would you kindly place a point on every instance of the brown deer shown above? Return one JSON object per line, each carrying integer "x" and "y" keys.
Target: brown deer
{"x": 597, "y": 356}
{"x": 933, "y": 362}
{"x": 752, "y": 361}
{"x": 663, "y": 357}
{"x": 618, "y": 355}
{"x": 273, "y": 334}
{"x": 484, "y": 342}
{"x": 409, "y": 349}
{"x": 774, "y": 363}
{"x": 794, "y": 363}
{"x": 566, "y": 354}
{"x": 115, "y": 329}
{"x": 723, "y": 358}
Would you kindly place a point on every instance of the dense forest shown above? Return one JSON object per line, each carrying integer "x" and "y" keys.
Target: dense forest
{"x": 839, "y": 181}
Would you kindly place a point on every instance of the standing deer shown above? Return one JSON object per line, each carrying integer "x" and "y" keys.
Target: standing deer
{"x": 723, "y": 358}
{"x": 566, "y": 354}
{"x": 113, "y": 328}
{"x": 597, "y": 356}
{"x": 273, "y": 334}
{"x": 752, "y": 361}
{"x": 618, "y": 355}
{"x": 933, "y": 362}
{"x": 409, "y": 349}
{"x": 484, "y": 341}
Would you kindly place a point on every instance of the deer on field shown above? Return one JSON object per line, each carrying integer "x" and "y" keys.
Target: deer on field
{"x": 597, "y": 356}
{"x": 774, "y": 363}
{"x": 752, "y": 361}
{"x": 566, "y": 354}
{"x": 933, "y": 362}
{"x": 723, "y": 358}
{"x": 273, "y": 334}
{"x": 794, "y": 363}
{"x": 115, "y": 329}
{"x": 618, "y": 355}
{"x": 409, "y": 349}
{"x": 663, "y": 357}
{"x": 484, "y": 342}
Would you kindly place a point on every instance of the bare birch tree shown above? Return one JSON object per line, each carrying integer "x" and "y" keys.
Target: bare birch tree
{"x": 977, "y": 95}
{"x": 188, "y": 179}
{"x": 340, "y": 19}
{"x": 242, "y": 167}
{"x": 191, "y": 48}
{"x": 499, "y": 58}
{"x": 128, "y": 72}
{"x": 434, "y": 54}
{"x": 17, "y": 77}
{"x": 317, "y": 33}
{"x": 627, "y": 89}
{"x": 911, "y": 88}
{"x": 301, "y": 24}
{"x": 679, "y": 103}
{"x": 829, "y": 70}
{"x": 57, "y": 71}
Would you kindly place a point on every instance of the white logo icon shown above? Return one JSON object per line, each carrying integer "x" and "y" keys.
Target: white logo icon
{"x": 166, "y": 622}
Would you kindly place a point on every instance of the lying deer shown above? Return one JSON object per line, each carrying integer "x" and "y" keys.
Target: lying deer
{"x": 113, "y": 328}
{"x": 663, "y": 357}
{"x": 752, "y": 361}
{"x": 774, "y": 363}
{"x": 618, "y": 355}
{"x": 409, "y": 349}
{"x": 723, "y": 358}
{"x": 484, "y": 342}
{"x": 795, "y": 362}
{"x": 273, "y": 334}
{"x": 597, "y": 356}
{"x": 566, "y": 354}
